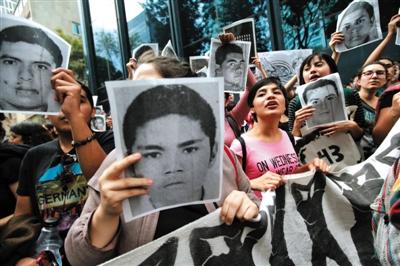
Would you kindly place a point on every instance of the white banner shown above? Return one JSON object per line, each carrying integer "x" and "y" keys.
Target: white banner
{"x": 206, "y": 242}
{"x": 320, "y": 219}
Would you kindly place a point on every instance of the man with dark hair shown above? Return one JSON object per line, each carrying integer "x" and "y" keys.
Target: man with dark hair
{"x": 53, "y": 176}
{"x": 27, "y": 56}
{"x": 230, "y": 65}
{"x": 323, "y": 95}
{"x": 358, "y": 24}
{"x": 179, "y": 159}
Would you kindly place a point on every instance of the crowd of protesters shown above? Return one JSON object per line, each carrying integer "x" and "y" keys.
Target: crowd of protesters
{"x": 266, "y": 122}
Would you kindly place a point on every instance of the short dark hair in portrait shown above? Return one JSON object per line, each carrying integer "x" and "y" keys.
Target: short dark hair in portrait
{"x": 361, "y": 5}
{"x": 322, "y": 56}
{"x": 22, "y": 33}
{"x": 227, "y": 48}
{"x": 164, "y": 100}
{"x": 141, "y": 51}
{"x": 318, "y": 84}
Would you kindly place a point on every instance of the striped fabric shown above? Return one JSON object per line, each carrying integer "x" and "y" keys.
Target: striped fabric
{"x": 386, "y": 219}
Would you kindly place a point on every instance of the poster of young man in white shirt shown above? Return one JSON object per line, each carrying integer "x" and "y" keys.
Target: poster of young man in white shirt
{"x": 360, "y": 24}
{"x": 175, "y": 124}
{"x": 28, "y": 54}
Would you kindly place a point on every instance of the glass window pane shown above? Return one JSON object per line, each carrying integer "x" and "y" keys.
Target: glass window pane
{"x": 106, "y": 42}
{"x": 148, "y": 22}
{"x": 202, "y": 20}
{"x": 63, "y": 15}
{"x": 309, "y": 24}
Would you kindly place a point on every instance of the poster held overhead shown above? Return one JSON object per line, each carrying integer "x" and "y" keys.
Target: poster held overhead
{"x": 28, "y": 54}
{"x": 229, "y": 60}
{"x": 360, "y": 24}
{"x": 199, "y": 65}
{"x": 244, "y": 30}
{"x": 283, "y": 64}
{"x": 144, "y": 47}
{"x": 169, "y": 50}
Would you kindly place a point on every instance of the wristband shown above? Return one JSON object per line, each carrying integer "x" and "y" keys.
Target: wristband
{"x": 79, "y": 143}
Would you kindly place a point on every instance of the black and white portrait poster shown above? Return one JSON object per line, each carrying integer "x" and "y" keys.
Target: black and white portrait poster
{"x": 28, "y": 54}
{"x": 144, "y": 47}
{"x": 330, "y": 213}
{"x": 169, "y": 50}
{"x": 199, "y": 65}
{"x": 175, "y": 124}
{"x": 98, "y": 123}
{"x": 283, "y": 64}
{"x": 360, "y": 24}
{"x": 327, "y": 97}
{"x": 338, "y": 149}
{"x": 230, "y": 60}
{"x": 244, "y": 30}
{"x": 206, "y": 242}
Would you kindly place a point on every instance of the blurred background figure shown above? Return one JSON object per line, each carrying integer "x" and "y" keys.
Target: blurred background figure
{"x": 29, "y": 133}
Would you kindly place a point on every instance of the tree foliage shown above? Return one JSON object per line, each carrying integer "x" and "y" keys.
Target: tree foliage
{"x": 77, "y": 58}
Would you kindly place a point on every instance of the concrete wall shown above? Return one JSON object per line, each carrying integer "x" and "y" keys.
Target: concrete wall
{"x": 56, "y": 14}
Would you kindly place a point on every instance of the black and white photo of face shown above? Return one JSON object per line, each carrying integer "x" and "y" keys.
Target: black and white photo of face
{"x": 98, "y": 123}
{"x": 360, "y": 24}
{"x": 28, "y": 54}
{"x": 176, "y": 160}
{"x": 326, "y": 96}
{"x": 25, "y": 80}
{"x": 174, "y": 124}
{"x": 230, "y": 61}
{"x": 324, "y": 100}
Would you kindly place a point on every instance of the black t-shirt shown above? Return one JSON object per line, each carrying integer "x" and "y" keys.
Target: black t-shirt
{"x": 172, "y": 219}
{"x": 54, "y": 181}
{"x": 10, "y": 159}
{"x": 386, "y": 100}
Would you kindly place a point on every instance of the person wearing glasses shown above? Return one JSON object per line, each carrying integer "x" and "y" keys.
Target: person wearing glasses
{"x": 392, "y": 76}
{"x": 358, "y": 24}
{"x": 371, "y": 77}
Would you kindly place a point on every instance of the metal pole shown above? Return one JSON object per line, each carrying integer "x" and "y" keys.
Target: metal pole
{"x": 175, "y": 25}
{"x": 88, "y": 44}
{"x": 123, "y": 34}
{"x": 275, "y": 22}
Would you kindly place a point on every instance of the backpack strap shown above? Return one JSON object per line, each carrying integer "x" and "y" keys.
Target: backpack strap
{"x": 292, "y": 140}
{"x": 234, "y": 126}
{"x": 244, "y": 152}
{"x": 230, "y": 156}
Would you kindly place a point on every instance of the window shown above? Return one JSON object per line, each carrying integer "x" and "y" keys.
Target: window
{"x": 76, "y": 28}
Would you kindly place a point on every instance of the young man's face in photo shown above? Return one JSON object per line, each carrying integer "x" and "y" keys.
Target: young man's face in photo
{"x": 356, "y": 27}
{"x": 324, "y": 100}
{"x": 99, "y": 123}
{"x": 177, "y": 159}
{"x": 232, "y": 69}
{"x": 25, "y": 76}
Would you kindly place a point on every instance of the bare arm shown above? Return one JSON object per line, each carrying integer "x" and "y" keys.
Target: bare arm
{"x": 336, "y": 38}
{"x": 256, "y": 61}
{"x": 379, "y": 49}
{"x": 68, "y": 91}
{"x": 240, "y": 111}
{"x": 387, "y": 118}
{"x": 289, "y": 86}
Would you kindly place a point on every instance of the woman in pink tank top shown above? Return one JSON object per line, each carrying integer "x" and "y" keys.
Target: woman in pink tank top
{"x": 269, "y": 150}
